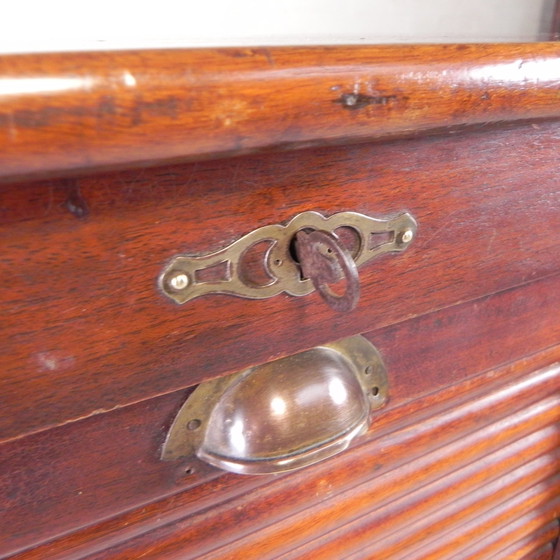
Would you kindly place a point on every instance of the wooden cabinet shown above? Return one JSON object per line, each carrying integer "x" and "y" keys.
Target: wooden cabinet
{"x": 113, "y": 164}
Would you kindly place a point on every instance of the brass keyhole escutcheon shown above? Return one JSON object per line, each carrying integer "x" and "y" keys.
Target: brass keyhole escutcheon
{"x": 188, "y": 277}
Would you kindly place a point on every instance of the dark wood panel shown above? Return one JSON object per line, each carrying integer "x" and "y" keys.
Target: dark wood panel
{"x": 62, "y": 112}
{"x": 504, "y": 413}
{"x": 447, "y": 346}
{"x": 87, "y": 330}
{"x": 74, "y": 475}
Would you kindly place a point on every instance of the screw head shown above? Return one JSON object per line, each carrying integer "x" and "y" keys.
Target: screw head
{"x": 407, "y": 236}
{"x": 179, "y": 281}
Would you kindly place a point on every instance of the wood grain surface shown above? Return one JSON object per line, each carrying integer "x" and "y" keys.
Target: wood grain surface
{"x": 113, "y": 163}
{"x": 544, "y": 553}
{"x": 485, "y": 441}
{"x": 76, "y": 112}
{"x": 457, "y": 542}
{"x": 87, "y": 329}
{"x": 482, "y": 335}
{"x": 537, "y": 545}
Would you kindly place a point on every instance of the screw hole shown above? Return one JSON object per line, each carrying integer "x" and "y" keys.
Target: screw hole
{"x": 368, "y": 370}
{"x": 375, "y": 391}
{"x": 189, "y": 471}
{"x": 193, "y": 424}
{"x": 278, "y": 262}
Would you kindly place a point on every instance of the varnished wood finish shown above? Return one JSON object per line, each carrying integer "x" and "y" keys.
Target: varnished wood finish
{"x": 538, "y": 509}
{"x": 113, "y": 163}
{"x": 500, "y": 440}
{"x": 71, "y": 113}
{"x": 88, "y": 330}
{"x": 534, "y": 546}
{"x": 544, "y": 553}
{"x": 104, "y": 485}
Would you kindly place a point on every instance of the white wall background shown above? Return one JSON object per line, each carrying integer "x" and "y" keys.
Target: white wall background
{"x": 51, "y": 25}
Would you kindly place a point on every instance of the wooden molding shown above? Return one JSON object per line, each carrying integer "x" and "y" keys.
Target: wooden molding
{"x": 63, "y": 113}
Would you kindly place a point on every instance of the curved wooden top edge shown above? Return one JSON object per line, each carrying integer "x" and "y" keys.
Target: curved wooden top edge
{"x": 75, "y": 112}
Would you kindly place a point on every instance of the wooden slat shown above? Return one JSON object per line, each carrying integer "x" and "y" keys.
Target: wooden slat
{"x": 68, "y": 112}
{"x": 405, "y": 523}
{"x": 544, "y": 553}
{"x": 527, "y": 512}
{"x": 534, "y": 546}
{"x": 86, "y": 328}
{"x": 346, "y": 486}
{"x": 536, "y": 517}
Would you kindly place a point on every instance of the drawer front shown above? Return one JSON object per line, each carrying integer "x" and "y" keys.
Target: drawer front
{"x": 88, "y": 329}
{"x": 464, "y": 455}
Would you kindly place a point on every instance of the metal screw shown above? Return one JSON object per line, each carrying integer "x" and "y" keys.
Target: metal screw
{"x": 407, "y": 236}
{"x": 179, "y": 282}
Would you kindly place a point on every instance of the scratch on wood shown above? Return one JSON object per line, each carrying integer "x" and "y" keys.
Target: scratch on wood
{"x": 354, "y": 101}
{"x": 491, "y": 242}
{"x": 74, "y": 202}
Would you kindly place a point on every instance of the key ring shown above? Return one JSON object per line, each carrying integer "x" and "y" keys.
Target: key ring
{"x": 327, "y": 267}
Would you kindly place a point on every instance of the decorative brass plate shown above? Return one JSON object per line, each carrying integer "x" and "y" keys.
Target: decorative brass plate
{"x": 283, "y": 415}
{"x": 182, "y": 279}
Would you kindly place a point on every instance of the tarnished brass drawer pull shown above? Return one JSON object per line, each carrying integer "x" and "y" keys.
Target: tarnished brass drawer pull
{"x": 290, "y": 261}
{"x": 283, "y": 415}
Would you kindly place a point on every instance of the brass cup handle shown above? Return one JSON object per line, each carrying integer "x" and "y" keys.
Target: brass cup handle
{"x": 283, "y": 415}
